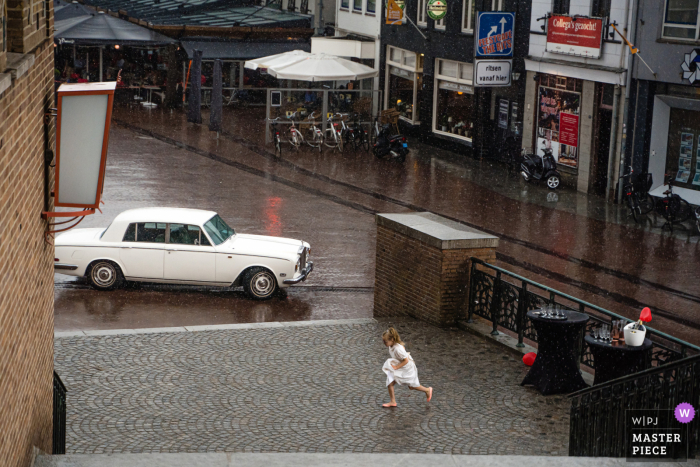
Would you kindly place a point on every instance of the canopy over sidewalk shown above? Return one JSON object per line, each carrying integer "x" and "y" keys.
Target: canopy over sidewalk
{"x": 103, "y": 29}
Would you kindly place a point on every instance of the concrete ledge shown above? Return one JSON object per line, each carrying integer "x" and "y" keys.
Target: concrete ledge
{"x": 19, "y": 64}
{"x": 5, "y": 81}
{"x": 437, "y": 231}
{"x": 231, "y": 459}
{"x": 483, "y": 328}
{"x": 213, "y": 327}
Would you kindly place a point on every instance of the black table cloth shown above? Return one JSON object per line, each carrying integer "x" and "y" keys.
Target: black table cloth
{"x": 555, "y": 370}
{"x": 615, "y": 361}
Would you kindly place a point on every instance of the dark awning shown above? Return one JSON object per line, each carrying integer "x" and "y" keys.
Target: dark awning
{"x": 104, "y": 29}
{"x": 238, "y": 50}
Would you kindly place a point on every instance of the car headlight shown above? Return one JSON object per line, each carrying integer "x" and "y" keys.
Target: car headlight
{"x": 296, "y": 268}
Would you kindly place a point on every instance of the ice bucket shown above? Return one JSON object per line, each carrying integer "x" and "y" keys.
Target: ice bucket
{"x": 635, "y": 337}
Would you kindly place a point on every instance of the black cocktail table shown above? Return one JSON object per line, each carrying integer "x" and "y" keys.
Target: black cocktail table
{"x": 615, "y": 361}
{"x": 555, "y": 370}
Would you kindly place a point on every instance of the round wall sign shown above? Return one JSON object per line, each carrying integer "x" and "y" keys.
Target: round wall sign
{"x": 437, "y": 9}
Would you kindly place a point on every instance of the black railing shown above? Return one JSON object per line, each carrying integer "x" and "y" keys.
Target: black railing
{"x": 59, "y": 415}
{"x": 598, "y": 414}
{"x": 504, "y": 298}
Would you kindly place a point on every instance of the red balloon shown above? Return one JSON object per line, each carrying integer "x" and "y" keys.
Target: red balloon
{"x": 529, "y": 358}
{"x": 646, "y": 315}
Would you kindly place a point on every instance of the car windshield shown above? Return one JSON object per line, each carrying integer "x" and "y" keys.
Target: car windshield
{"x": 218, "y": 230}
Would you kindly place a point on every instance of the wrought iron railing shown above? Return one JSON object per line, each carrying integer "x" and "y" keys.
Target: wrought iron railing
{"x": 598, "y": 414}
{"x": 59, "y": 415}
{"x": 504, "y": 298}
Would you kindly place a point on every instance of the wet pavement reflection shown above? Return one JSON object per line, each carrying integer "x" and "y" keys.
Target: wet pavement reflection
{"x": 567, "y": 240}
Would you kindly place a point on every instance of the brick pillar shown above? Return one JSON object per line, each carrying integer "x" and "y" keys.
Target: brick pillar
{"x": 423, "y": 264}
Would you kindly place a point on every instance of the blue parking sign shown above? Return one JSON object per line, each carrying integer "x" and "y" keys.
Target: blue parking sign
{"x": 494, "y": 34}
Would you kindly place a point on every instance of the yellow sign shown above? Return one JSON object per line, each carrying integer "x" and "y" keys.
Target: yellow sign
{"x": 329, "y": 114}
{"x": 289, "y": 113}
{"x": 394, "y": 13}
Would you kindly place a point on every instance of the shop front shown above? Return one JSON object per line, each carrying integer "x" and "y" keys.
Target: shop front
{"x": 453, "y": 100}
{"x": 404, "y": 79}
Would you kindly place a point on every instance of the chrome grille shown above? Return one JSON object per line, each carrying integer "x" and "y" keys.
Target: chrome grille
{"x": 302, "y": 260}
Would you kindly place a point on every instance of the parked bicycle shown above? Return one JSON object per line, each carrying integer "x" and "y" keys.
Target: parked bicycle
{"x": 375, "y": 131}
{"x": 636, "y": 193}
{"x": 360, "y": 135}
{"x": 276, "y": 138}
{"x": 314, "y": 134}
{"x": 334, "y": 137}
{"x": 294, "y": 136}
{"x": 672, "y": 207}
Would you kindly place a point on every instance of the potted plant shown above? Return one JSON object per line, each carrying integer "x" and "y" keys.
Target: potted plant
{"x": 443, "y": 123}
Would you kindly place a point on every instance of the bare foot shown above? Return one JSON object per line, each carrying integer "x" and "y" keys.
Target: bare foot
{"x": 390, "y": 404}
{"x": 429, "y": 394}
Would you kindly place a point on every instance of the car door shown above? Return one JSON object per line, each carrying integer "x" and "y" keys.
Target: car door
{"x": 143, "y": 247}
{"x": 188, "y": 255}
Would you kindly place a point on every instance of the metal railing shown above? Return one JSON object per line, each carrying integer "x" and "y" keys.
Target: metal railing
{"x": 59, "y": 415}
{"x": 598, "y": 414}
{"x": 504, "y": 298}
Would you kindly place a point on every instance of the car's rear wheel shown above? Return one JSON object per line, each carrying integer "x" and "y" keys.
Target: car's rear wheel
{"x": 259, "y": 283}
{"x": 105, "y": 275}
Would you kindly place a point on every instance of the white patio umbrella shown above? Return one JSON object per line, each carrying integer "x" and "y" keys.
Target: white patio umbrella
{"x": 322, "y": 67}
{"x": 286, "y": 58}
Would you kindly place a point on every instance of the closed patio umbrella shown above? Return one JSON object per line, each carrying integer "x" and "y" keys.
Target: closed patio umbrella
{"x": 283, "y": 59}
{"x": 322, "y": 67}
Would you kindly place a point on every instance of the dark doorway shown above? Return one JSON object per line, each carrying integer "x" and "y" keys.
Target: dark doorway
{"x": 603, "y": 126}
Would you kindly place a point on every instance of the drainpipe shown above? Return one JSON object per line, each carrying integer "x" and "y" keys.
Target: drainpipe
{"x": 630, "y": 63}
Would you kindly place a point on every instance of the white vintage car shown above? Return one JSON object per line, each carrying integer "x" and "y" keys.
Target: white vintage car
{"x": 181, "y": 246}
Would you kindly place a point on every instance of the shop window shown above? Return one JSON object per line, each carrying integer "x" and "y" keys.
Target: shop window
{"x": 600, "y": 8}
{"x": 371, "y": 6}
{"x": 683, "y": 154}
{"x": 403, "y": 82}
{"x": 681, "y": 19}
{"x": 357, "y": 5}
{"x": 345, "y": 4}
{"x": 560, "y": 7}
{"x": 468, "y": 15}
{"x": 453, "y": 104}
{"x": 422, "y": 18}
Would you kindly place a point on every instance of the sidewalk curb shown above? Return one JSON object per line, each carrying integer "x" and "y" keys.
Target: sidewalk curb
{"x": 212, "y": 327}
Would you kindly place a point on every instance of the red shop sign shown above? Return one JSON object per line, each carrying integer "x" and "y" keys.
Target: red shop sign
{"x": 568, "y": 129}
{"x": 575, "y": 36}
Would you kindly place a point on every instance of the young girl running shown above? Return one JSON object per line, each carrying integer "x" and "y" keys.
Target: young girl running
{"x": 400, "y": 368}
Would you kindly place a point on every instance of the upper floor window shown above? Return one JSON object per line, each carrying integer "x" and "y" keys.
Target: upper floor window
{"x": 600, "y": 8}
{"x": 371, "y": 6}
{"x": 345, "y": 4}
{"x": 560, "y": 7}
{"x": 357, "y": 5}
{"x": 681, "y": 19}
{"x": 440, "y": 24}
{"x": 468, "y": 15}
{"x": 422, "y": 13}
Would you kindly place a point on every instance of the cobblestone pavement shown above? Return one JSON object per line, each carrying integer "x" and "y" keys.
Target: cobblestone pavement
{"x": 315, "y": 388}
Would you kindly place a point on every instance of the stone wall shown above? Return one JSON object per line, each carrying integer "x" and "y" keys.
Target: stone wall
{"x": 423, "y": 264}
{"x": 26, "y": 261}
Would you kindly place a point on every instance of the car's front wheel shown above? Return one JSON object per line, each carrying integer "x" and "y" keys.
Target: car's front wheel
{"x": 105, "y": 275}
{"x": 259, "y": 283}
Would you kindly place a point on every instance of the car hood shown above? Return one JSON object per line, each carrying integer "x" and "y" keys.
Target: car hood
{"x": 264, "y": 245}
{"x": 79, "y": 237}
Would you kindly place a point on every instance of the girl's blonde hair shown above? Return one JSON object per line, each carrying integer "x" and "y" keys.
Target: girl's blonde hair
{"x": 391, "y": 334}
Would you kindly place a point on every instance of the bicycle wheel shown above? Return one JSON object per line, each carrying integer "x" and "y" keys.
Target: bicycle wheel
{"x": 339, "y": 139}
{"x": 634, "y": 208}
{"x": 646, "y": 203}
{"x": 684, "y": 211}
{"x": 365, "y": 140}
{"x": 278, "y": 145}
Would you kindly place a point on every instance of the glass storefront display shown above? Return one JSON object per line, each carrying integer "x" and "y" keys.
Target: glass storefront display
{"x": 683, "y": 155}
{"x": 454, "y": 107}
{"x": 404, "y": 83}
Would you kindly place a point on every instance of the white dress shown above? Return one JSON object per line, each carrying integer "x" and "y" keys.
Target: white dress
{"x": 407, "y": 374}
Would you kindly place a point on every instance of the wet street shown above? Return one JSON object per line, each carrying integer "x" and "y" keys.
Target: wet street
{"x": 572, "y": 242}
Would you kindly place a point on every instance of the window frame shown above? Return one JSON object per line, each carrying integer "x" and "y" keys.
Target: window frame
{"x": 354, "y": 6}
{"x": 664, "y": 24}
{"x": 596, "y": 8}
{"x": 373, "y": 11}
{"x": 558, "y": 6}
{"x": 201, "y": 231}
{"x": 457, "y": 80}
{"x": 422, "y": 8}
{"x": 468, "y": 7}
{"x": 345, "y": 5}
{"x": 441, "y": 25}
{"x": 416, "y": 70}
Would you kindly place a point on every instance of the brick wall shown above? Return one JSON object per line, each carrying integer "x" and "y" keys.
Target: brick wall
{"x": 26, "y": 24}
{"x": 26, "y": 266}
{"x": 419, "y": 280}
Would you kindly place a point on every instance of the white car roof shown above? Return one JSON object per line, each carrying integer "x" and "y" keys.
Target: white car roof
{"x": 173, "y": 215}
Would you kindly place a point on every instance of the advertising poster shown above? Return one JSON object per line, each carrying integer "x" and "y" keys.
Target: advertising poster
{"x": 683, "y": 176}
{"x": 696, "y": 179}
{"x": 394, "y": 13}
{"x": 575, "y": 36}
{"x": 558, "y": 113}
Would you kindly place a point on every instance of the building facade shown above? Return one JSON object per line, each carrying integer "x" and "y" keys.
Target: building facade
{"x": 427, "y": 75}
{"x": 663, "y": 123}
{"x": 575, "y": 87}
{"x": 26, "y": 260}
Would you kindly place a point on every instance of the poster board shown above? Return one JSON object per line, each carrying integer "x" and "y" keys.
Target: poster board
{"x": 558, "y": 123}
{"x": 394, "y": 12}
{"x": 581, "y": 37}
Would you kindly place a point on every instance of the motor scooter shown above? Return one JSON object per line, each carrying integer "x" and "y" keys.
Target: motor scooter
{"x": 535, "y": 167}
{"x": 395, "y": 146}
